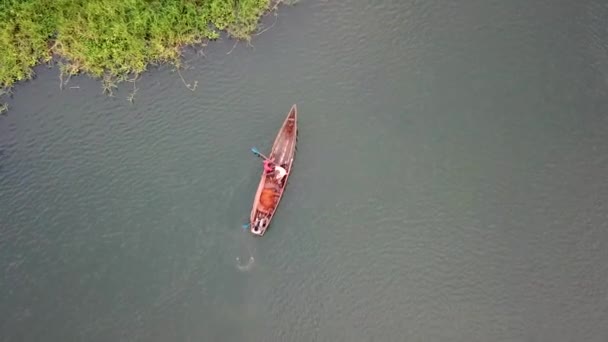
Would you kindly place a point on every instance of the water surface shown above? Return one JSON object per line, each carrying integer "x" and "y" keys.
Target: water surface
{"x": 450, "y": 184}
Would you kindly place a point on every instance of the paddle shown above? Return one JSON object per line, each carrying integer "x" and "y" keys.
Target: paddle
{"x": 245, "y": 226}
{"x": 257, "y": 153}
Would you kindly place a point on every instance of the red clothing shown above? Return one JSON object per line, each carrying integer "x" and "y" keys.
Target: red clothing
{"x": 268, "y": 166}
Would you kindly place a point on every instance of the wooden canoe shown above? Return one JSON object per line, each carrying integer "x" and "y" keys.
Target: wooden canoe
{"x": 270, "y": 190}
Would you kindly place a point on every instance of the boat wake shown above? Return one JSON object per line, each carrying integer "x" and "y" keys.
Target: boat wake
{"x": 246, "y": 261}
{"x": 244, "y": 267}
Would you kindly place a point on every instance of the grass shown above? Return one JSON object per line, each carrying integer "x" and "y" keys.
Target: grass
{"x": 113, "y": 39}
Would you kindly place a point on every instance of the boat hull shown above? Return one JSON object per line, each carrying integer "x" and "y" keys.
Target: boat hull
{"x": 270, "y": 189}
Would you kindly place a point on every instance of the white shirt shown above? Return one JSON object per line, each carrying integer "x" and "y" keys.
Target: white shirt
{"x": 281, "y": 172}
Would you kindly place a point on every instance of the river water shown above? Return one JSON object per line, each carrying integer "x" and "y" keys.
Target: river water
{"x": 450, "y": 184}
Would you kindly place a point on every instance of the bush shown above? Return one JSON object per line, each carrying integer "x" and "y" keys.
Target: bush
{"x": 113, "y": 38}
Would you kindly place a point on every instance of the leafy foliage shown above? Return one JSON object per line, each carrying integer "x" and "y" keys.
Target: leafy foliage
{"x": 113, "y": 38}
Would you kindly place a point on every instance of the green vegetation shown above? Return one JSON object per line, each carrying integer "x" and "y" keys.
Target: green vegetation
{"x": 112, "y": 39}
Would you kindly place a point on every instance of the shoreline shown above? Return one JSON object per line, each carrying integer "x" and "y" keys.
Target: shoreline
{"x": 115, "y": 41}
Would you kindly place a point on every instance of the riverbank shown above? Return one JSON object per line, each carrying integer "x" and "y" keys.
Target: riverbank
{"x": 114, "y": 39}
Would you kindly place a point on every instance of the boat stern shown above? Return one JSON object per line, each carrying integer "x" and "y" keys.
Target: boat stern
{"x": 256, "y": 229}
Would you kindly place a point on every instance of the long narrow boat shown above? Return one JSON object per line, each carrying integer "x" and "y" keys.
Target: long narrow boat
{"x": 270, "y": 190}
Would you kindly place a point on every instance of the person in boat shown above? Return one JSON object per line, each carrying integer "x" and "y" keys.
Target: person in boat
{"x": 280, "y": 173}
{"x": 259, "y": 224}
{"x": 264, "y": 223}
{"x": 256, "y": 225}
{"x": 271, "y": 168}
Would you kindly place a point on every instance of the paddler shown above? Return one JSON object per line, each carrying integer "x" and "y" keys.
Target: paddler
{"x": 269, "y": 166}
{"x": 280, "y": 172}
{"x": 256, "y": 225}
